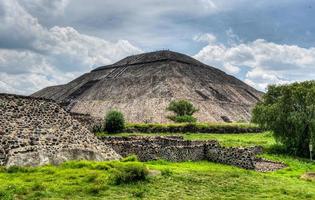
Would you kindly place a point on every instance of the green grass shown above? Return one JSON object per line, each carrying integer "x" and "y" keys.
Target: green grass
{"x": 186, "y": 180}
{"x": 264, "y": 139}
{"x": 247, "y": 139}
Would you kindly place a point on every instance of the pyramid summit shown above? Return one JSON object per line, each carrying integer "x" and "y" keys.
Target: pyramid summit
{"x": 157, "y": 56}
{"x": 142, "y": 86}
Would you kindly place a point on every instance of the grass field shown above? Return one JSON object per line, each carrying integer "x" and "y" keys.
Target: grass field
{"x": 264, "y": 139}
{"x": 186, "y": 180}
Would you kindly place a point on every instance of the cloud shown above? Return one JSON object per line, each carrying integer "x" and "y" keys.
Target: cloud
{"x": 74, "y": 51}
{"x": 33, "y": 56}
{"x": 44, "y": 8}
{"x": 152, "y": 25}
{"x": 48, "y": 42}
{"x": 263, "y": 62}
{"x": 207, "y": 37}
{"x": 231, "y": 68}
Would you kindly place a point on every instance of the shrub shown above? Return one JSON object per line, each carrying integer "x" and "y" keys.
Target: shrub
{"x": 114, "y": 122}
{"x": 128, "y": 173}
{"x": 97, "y": 128}
{"x": 183, "y": 110}
{"x": 183, "y": 119}
{"x": 17, "y": 169}
{"x": 182, "y": 107}
{"x": 130, "y": 158}
{"x": 289, "y": 111}
{"x": 276, "y": 149}
{"x": 166, "y": 172}
{"x": 76, "y": 164}
{"x": 194, "y": 128}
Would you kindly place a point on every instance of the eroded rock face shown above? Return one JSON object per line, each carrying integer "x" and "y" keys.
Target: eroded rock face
{"x": 143, "y": 85}
{"x": 36, "y": 131}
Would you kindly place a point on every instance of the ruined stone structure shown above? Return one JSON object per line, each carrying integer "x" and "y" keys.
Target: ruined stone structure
{"x": 143, "y": 85}
{"x": 174, "y": 148}
{"x": 87, "y": 120}
{"x": 35, "y": 131}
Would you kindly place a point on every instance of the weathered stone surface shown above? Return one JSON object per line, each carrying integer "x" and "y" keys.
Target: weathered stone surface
{"x": 87, "y": 120}
{"x": 176, "y": 149}
{"x": 142, "y": 86}
{"x": 35, "y": 131}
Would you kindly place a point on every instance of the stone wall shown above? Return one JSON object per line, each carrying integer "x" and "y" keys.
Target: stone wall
{"x": 87, "y": 120}
{"x": 175, "y": 148}
{"x": 36, "y": 131}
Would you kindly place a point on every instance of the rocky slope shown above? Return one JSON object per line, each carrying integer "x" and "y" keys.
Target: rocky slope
{"x": 36, "y": 131}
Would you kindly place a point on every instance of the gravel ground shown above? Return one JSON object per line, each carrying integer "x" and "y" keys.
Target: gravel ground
{"x": 263, "y": 165}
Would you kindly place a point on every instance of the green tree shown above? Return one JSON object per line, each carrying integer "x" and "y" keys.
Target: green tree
{"x": 289, "y": 111}
{"x": 114, "y": 122}
{"x": 183, "y": 110}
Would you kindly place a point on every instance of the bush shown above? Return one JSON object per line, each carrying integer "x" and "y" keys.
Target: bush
{"x": 289, "y": 111}
{"x": 193, "y": 128}
{"x": 130, "y": 158}
{"x": 17, "y": 169}
{"x": 277, "y": 149}
{"x": 183, "y": 119}
{"x": 182, "y": 107}
{"x": 128, "y": 173}
{"x": 166, "y": 172}
{"x": 76, "y": 164}
{"x": 97, "y": 128}
{"x": 183, "y": 110}
{"x": 114, "y": 122}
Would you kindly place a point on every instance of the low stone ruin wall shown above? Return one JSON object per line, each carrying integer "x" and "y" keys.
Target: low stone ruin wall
{"x": 241, "y": 157}
{"x": 175, "y": 148}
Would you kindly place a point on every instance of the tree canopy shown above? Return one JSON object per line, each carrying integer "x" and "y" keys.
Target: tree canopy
{"x": 289, "y": 111}
{"x": 183, "y": 109}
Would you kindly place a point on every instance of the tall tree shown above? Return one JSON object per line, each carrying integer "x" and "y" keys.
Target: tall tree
{"x": 289, "y": 111}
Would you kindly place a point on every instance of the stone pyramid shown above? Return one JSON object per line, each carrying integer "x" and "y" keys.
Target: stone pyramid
{"x": 141, "y": 86}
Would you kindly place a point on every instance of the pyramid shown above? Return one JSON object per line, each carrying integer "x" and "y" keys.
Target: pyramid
{"x": 35, "y": 131}
{"x": 142, "y": 86}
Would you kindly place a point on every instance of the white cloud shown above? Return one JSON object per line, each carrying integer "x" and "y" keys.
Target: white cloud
{"x": 75, "y": 51}
{"x": 207, "y": 37}
{"x": 36, "y": 57}
{"x": 263, "y": 62}
{"x": 231, "y": 68}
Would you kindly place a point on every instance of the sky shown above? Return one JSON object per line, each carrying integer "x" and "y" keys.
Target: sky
{"x": 50, "y": 42}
